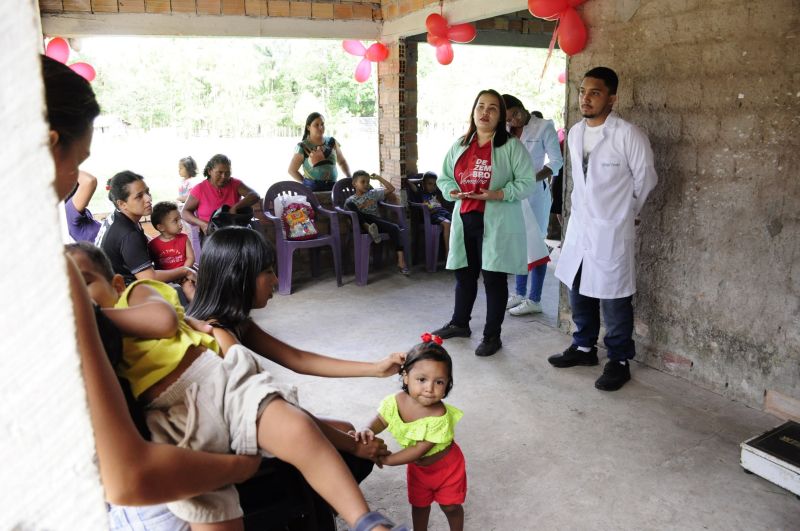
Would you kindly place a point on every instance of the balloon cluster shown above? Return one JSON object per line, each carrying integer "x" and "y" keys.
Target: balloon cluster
{"x": 570, "y": 28}
{"x": 58, "y": 49}
{"x": 440, "y": 34}
{"x": 374, "y": 54}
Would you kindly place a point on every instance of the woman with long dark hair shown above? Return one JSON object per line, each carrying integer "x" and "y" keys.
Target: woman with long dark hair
{"x": 486, "y": 172}
{"x": 318, "y": 155}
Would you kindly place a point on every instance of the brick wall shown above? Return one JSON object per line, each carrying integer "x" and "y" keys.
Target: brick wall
{"x": 715, "y": 85}
{"x": 320, "y": 9}
{"x": 397, "y": 111}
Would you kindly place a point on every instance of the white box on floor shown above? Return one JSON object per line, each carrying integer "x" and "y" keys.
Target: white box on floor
{"x": 775, "y": 456}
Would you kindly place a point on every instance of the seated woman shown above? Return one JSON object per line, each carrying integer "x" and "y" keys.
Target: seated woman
{"x": 217, "y": 190}
{"x": 222, "y": 298}
{"x": 318, "y": 154}
{"x": 122, "y": 238}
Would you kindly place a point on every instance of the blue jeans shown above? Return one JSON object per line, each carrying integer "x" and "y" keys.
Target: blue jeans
{"x": 537, "y": 275}
{"x": 618, "y": 318}
{"x": 146, "y": 518}
{"x": 318, "y": 186}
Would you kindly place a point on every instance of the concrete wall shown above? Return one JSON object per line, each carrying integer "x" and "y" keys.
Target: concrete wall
{"x": 716, "y": 85}
{"x": 49, "y": 478}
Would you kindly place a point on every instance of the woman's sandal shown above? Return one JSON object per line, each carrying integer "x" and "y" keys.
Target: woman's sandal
{"x": 373, "y": 519}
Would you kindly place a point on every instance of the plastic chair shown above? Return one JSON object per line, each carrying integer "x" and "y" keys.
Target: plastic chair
{"x": 362, "y": 241}
{"x": 432, "y": 232}
{"x": 285, "y": 248}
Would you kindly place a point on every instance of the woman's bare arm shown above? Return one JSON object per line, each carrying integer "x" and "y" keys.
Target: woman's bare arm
{"x": 342, "y": 161}
{"x": 188, "y": 213}
{"x": 87, "y": 184}
{"x": 249, "y": 198}
{"x": 304, "y": 362}
{"x": 294, "y": 167}
{"x": 134, "y": 471}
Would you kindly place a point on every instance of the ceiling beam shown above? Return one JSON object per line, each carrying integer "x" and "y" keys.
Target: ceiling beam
{"x": 190, "y": 25}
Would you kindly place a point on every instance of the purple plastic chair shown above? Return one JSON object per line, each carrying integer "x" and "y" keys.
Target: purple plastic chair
{"x": 362, "y": 241}
{"x": 285, "y": 248}
{"x": 432, "y": 232}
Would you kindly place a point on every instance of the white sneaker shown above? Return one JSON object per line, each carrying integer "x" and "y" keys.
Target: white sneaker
{"x": 514, "y": 300}
{"x": 526, "y": 307}
{"x": 374, "y": 232}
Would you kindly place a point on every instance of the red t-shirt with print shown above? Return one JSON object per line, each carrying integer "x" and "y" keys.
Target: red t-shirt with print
{"x": 473, "y": 172}
{"x": 171, "y": 254}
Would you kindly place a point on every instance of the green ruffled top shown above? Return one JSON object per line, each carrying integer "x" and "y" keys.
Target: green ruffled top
{"x": 439, "y": 430}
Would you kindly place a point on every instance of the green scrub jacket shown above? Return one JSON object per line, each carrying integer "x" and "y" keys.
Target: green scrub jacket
{"x": 504, "y": 243}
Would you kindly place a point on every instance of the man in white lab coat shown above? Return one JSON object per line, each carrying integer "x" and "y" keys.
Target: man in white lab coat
{"x": 612, "y": 174}
{"x": 540, "y": 138}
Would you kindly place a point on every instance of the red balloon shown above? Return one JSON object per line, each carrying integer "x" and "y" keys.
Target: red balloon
{"x": 363, "y": 70}
{"x": 85, "y": 70}
{"x": 435, "y": 41}
{"x": 575, "y": 3}
{"x": 461, "y": 33}
{"x": 57, "y": 49}
{"x": 562, "y": 77}
{"x": 549, "y": 9}
{"x": 571, "y": 32}
{"x": 437, "y": 25}
{"x": 354, "y": 47}
{"x": 444, "y": 53}
{"x": 377, "y": 52}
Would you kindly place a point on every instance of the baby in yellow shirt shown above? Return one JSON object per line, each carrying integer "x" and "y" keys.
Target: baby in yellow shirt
{"x": 425, "y": 427}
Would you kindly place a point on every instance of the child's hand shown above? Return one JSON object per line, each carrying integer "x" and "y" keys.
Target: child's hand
{"x": 364, "y": 436}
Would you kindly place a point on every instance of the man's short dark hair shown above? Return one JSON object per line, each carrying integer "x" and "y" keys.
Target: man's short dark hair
{"x": 608, "y": 76}
{"x": 512, "y": 101}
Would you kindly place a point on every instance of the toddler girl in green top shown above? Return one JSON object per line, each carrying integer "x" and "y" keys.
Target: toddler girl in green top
{"x": 425, "y": 426}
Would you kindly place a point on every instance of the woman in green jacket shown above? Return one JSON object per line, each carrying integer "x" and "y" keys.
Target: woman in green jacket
{"x": 486, "y": 172}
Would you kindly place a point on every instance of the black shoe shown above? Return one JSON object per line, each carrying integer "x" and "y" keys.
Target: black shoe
{"x": 615, "y": 374}
{"x": 488, "y": 346}
{"x": 452, "y": 330}
{"x": 572, "y": 357}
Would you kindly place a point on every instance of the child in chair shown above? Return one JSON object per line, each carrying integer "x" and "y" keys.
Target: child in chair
{"x": 425, "y": 427}
{"x": 364, "y": 202}
{"x": 430, "y": 195}
{"x": 199, "y": 399}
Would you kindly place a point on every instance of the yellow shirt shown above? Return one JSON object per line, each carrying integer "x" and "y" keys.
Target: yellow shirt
{"x": 439, "y": 430}
{"x": 147, "y": 361}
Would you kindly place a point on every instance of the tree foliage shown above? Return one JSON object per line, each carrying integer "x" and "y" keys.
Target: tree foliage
{"x": 226, "y": 87}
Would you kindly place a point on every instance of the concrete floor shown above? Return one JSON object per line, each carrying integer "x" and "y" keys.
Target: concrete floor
{"x": 544, "y": 449}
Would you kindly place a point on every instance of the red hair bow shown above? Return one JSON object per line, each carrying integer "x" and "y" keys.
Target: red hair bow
{"x": 427, "y": 337}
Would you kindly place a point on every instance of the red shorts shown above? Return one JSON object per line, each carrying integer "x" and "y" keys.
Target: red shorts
{"x": 444, "y": 482}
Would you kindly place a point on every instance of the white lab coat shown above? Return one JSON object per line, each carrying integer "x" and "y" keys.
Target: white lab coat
{"x": 540, "y": 138}
{"x": 605, "y": 203}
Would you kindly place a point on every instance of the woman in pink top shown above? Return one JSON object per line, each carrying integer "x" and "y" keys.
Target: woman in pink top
{"x": 218, "y": 189}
